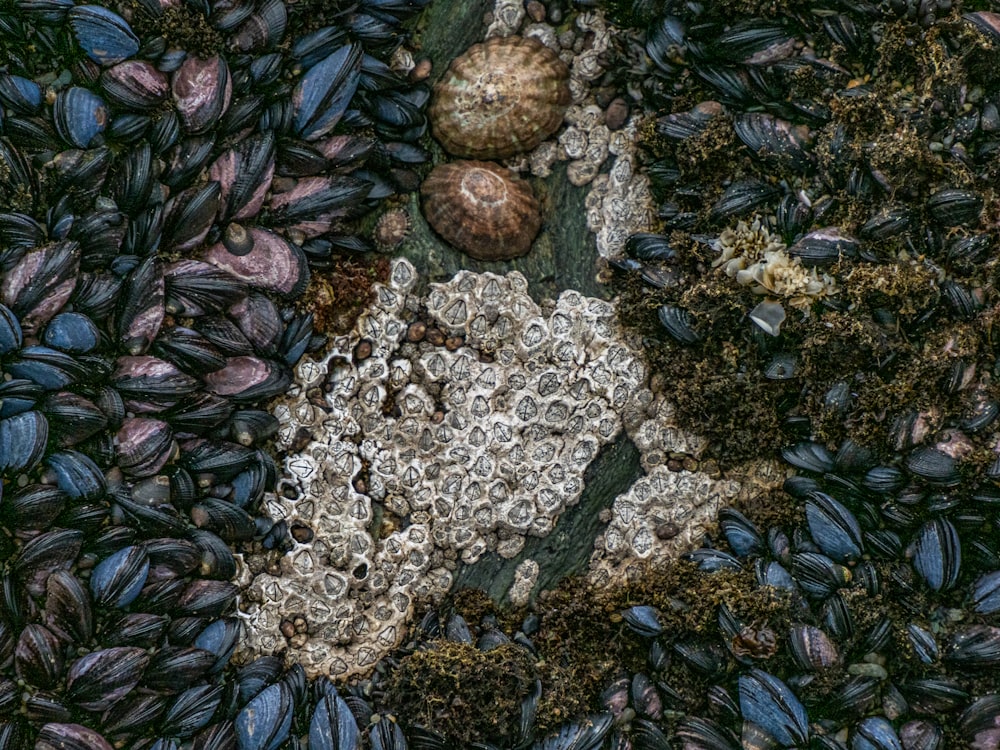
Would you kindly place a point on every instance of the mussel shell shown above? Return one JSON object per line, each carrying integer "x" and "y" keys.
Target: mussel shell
{"x": 103, "y": 35}
{"x": 100, "y": 678}
{"x": 769, "y": 703}
{"x": 937, "y": 554}
{"x": 875, "y": 733}
{"x": 266, "y": 720}
{"x": 68, "y": 613}
{"x": 38, "y": 657}
{"x": 812, "y": 648}
{"x": 192, "y": 710}
{"x": 678, "y": 324}
{"x": 118, "y": 579}
{"x": 62, "y": 736}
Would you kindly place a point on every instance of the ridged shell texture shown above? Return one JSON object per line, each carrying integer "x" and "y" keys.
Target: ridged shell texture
{"x": 502, "y": 97}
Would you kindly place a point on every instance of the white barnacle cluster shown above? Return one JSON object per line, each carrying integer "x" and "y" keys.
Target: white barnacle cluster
{"x": 421, "y": 455}
{"x": 665, "y": 512}
{"x": 754, "y": 257}
{"x": 619, "y": 203}
{"x": 585, "y": 140}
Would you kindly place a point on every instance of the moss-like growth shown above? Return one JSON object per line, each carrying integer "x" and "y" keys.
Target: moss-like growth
{"x": 464, "y": 693}
{"x": 878, "y": 128}
{"x": 338, "y": 295}
{"x": 181, "y": 26}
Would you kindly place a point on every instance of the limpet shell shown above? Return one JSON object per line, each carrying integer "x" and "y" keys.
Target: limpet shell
{"x": 501, "y": 97}
{"x": 481, "y": 209}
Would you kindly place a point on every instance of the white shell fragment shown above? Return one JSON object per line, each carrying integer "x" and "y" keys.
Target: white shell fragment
{"x": 768, "y": 315}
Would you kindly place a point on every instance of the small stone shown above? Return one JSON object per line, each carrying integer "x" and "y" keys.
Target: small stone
{"x": 711, "y": 467}
{"x": 435, "y": 336}
{"x": 422, "y": 70}
{"x": 453, "y": 343}
{"x": 616, "y": 115}
{"x": 536, "y": 11}
{"x": 416, "y": 331}
{"x": 363, "y": 350}
{"x": 287, "y": 628}
{"x": 667, "y": 530}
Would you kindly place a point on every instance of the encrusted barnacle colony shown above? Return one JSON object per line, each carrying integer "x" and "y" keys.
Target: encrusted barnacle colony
{"x": 501, "y": 97}
{"x": 434, "y": 440}
{"x": 482, "y": 209}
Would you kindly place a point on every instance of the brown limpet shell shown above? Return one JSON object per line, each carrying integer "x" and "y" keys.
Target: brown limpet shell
{"x": 391, "y": 229}
{"x": 482, "y": 209}
{"x": 500, "y": 98}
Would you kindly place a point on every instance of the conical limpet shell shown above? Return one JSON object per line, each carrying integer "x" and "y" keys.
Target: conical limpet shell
{"x": 481, "y": 209}
{"x": 500, "y": 98}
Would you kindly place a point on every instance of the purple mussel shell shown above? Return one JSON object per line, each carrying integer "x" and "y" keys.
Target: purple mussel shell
{"x": 135, "y": 84}
{"x": 41, "y": 283}
{"x": 248, "y": 379}
{"x": 274, "y": 264}
{"x": 244, "y": 174}
{"x": 70, "y": 737}
{"x": 202, "y": 90}
{"x": 144, "y": 446}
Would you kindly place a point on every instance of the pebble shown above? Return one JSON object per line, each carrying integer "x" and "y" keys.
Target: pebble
{"x": 416, "y": 331}
{"x": 422, "y": 69}
{"x": 536, "y": 11}
{"x": 363, "y": 350}
{"x": 616, "y": 115}
{"x": 435, "y": 336}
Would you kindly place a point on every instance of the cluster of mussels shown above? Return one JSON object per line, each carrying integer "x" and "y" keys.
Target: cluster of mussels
{"x": 874, "y": 625}
{"x": 826, "y": 176}
{"x": 865, "y": 617}
{"x": 168, "y": 174}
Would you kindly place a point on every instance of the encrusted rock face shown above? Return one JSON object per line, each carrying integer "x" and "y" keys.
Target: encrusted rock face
{"x": 408, "y": 455}
{"x": 481, "y": 209}
{"x": 501, "y": 97}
